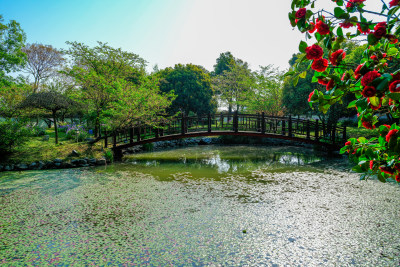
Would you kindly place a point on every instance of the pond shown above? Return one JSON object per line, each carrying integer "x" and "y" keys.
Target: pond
{"x": 204, "y": 205}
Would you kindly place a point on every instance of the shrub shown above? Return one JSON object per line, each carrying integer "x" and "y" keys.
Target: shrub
{"x": 12, "y": 134}
{"x": 109, "y": 156}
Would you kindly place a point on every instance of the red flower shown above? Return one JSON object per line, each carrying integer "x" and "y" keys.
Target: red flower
{"x": 387, "y": 126}
{"x": 380, "y": 30}
{"x": 390, "y": 134}
{"x": 392, "y": 38}
{"x": 346, "y": 24}
{"x": 369, "y": 77}
{"x": 367, "y": 30}
{"x": 301, "y": 13}
{"x": 310, "y": 96}
{"x": 393, "y": 3}
{"x": 322, "y": 28}
{"x": 393, "y": 87}
{"x": 357, "y": 73}
{"x": 320, "y": 65}
{"x": 337, "y": 56}
{"x": 343, "y": 76}
{"x": 311, "y": 28}
{"x": 368, "y": 125}
{"x": 369, "y": 91}
{"x": 371, "y": 164}
{"x": 347, "y": 143}
{"x": 323, "y": 81}
{"x": 375, "y": 107}
{"x": 397, "y": 166}
{"x": 352, "y": 3}
{"x": 330, "y": 85}
{"x": 314, "y": 52}
{"x": 374, "y": 58}
{"x": 387, "y": 170}
{"x": 396, "y": 76}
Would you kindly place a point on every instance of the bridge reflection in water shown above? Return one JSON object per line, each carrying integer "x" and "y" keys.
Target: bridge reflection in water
{"x": 259, "y": 125}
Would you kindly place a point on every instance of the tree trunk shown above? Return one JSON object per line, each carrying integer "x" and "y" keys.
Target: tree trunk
{"x": 96, "y": 126}
{"x": 55, "y": 125}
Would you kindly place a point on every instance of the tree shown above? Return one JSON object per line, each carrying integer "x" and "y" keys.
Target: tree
{"x": 192, "y": 85}
{"x": 42, "y": 62}
{"x": 225, "y": 62}
{"x": 51, "y": 101}
{"x": 233, "y": 85}
{"x": 99, "y": 73}
{"x": 12, "y": 39}
{"x": 374, "y": 82}
{"x": 266, "y": 92}
{"x": 11, "y": 97}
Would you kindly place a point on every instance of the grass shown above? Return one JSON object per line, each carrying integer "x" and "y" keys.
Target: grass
{"x": 37, "y": 149}
{"x": 355, "y": 132}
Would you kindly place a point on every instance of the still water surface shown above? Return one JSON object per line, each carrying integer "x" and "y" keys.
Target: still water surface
{"x": 206, "y": 205}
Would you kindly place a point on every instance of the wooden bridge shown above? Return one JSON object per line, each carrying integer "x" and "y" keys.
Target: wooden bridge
{"x": 258, "y": 125}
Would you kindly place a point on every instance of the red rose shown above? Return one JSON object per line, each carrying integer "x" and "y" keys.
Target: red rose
{"x": 323, "y": 81}
{"x": 322, "y": 28}
{"x": 393, "y": 3}
{"x": 301, "y": 13}
{"x": 320, "y": 65}
{"x": 311, "y": 28}
{"x": 330, "y": 85}
{"x": 337, "y": 56}
{"x": 396, "y": 76}
{"x": 380, "y": 30}
{"x": 314, "y": 52}
{"x": 369, "y": 91}
{"x": 392, "y": 38}
{"x": 393, "y": 88}
{"x": 352, "y": 3}
{"x": 346, "y": 24}
{"x": 374, "y": 58}
{"x": 369, "y": 77}
{"x": 357, "y": 73}
{"x": 310, "y": 96}
{"x": 390, "y": 134}
{"x": 387, "y": 170}
{"x": 368, "y": 125}
{"x": 367, "y": 30}
{"x": 371, "y": 164}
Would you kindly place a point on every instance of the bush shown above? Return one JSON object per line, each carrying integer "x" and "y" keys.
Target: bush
{"x": 76, "y": 132}
{"x": 38, "y": 131}
{"x": 109, "y": 156}
{"x": 12, "y": 134}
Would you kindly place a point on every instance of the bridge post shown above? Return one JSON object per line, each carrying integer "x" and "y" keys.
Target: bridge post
{"x": 258, "y": 123}
{"x": 235, "y": 122}
{"x": 105, "y": 139}
{"x": 138, "y": 133}
{"x": 308, "y": 129}
{"x": 183, "y": 123}
{"x": 222, "y": 121}
{"x": 283, "y": 127}
{"x": 157, "y": 132}
{"x": 290, "y": 126}
{"x": 316, "y": 130}
{"x": 263, "y": 123}
{"x": 115, "y": 139}
{"x": 209, "y": 122}
{"x": 162, "y": 129}
{"x": 131, "y": 135}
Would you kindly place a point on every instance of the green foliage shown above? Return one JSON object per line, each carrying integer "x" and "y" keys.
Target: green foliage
{"x": 225, "y": 62}
{"x": 192, "y": 85}
{"x": 369, "y": 76}
{"x": 108, "y": 155}
{"x": 12, "y": 39}
{"x": 12, "y": 133}
{"x": 148, "y": 147}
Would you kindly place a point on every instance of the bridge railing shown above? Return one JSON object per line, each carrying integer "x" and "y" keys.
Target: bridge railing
{"x": 255, "y": 123}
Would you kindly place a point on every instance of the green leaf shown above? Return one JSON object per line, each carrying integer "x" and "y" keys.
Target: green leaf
{"x": 392, "y": 51}
{"x": 296, "y": 80}
{"x": 338, "y": 12}
{"x": 381, "y": 178}
{"x": 362, "y": 140}
{"x": 372, "y": 40}
{"x": 352, "y": 104}
{"x": 394, "y": 96}
{"x": 302, "y": 46}
{"x": 358, "y": 169}
{"x": 339, "y": 31}
{"x": 375, "y": 101}
{"x": 303, "y": 74}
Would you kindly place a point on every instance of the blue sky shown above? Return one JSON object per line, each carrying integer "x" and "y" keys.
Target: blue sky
{"x": 165, "y": 32}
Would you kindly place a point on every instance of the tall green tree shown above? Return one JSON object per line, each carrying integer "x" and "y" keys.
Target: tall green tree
{"x": 225, "y": 62}
{"x": 12, "y": 40}
{"x": 101, "y": 72}
{"x": 192, "y": 85}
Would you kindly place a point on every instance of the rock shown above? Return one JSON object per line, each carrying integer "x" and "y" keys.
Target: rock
{"x": 90, "y": 140}
{"x": 46, "y": 138}
{"x": 1, "y": 168}
{"x": 21, "y": 166}
{"x": 205, "y": 141}
{"x": 58, "y": 161}
{"x": 101, "y": 162}
{"x": 92, "y": 161}
{"x": 9, "y": 167}
{"x": 40, "y": 165}
{"x": 68, "y": 165}
{"x": 33, "y": 166}
{"x": 74, "y": 153}
{"x": 57, "y": 164}
{"x": 85, "y": 165}
{"x": 48, "y": 165}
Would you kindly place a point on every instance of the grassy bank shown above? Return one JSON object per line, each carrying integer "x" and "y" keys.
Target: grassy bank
{"x": 36, "y": 148}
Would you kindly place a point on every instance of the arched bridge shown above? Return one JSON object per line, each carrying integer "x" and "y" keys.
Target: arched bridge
{"x": 259, "y": 125}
